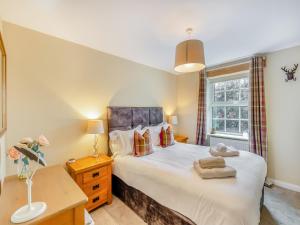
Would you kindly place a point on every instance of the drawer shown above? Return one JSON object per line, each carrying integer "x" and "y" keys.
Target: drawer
{"x": 97, "y": 199}
{"x": 95, "y": 186}
{"x": 94, "y": 174}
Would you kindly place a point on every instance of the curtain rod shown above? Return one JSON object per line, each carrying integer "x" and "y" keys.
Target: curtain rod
{"x": 233, "y": 62}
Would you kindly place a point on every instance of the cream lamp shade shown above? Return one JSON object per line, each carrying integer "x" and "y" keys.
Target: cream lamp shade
{"x": 173, "y": 120}
{"x": 189, "y": 55}
{"x": 95, "y": 127}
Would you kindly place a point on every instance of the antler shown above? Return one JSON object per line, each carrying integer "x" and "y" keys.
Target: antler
{"x": 294, "y": 69}
{"x": 290, "y": 70}
{"x": 285, "y": 69}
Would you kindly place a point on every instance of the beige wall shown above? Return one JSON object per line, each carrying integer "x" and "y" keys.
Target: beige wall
{"x": 187, "y": 104}
{"x": 2, "y": 144}
{"x": 55, "y": 85}
{"x": 283, "y": 117}
{"x": 283, "y": 110}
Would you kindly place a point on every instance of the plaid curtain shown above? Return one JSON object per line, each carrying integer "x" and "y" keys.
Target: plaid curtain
{"x": 201, "y": 118}
{"x": 258, "y": 126}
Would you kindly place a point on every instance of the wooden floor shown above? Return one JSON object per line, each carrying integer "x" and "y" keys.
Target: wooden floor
{"x": 282, "y": 207}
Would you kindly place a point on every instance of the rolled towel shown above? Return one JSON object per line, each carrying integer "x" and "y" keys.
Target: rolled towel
{"x": 215, "y": 172}
{"x": 221, "y": 147}
{"x": 212, "y": 162}
{"x": 229, "y": 153}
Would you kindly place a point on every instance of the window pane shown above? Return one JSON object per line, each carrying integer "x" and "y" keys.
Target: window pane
{"x": 219, "y": 97}
{"x": 244, "y": 83}
{"x": 220, "y": 86}
{"x": 218, "y": 112}
{"x": 219, "y": 125}
{"x": 232, "y": 96}
{"x": 244, "y": 95}
{"x": 232, "y": 126}
{"x": 244, "y": 112}
{"x": 232, "y": 84}
{"x": 244, "y": 126}
{"x": 232, "y": 112}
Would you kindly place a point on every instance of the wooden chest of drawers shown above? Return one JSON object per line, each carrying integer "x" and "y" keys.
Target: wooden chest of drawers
{"x": 93, "y": 175}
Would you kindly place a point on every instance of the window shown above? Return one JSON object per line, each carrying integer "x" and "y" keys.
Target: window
{"x": 228, "y": 105}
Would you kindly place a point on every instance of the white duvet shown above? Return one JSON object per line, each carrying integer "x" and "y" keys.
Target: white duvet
{"x": 168, "y": 177}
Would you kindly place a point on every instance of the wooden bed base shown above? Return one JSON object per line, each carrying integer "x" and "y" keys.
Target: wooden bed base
{"x": 148, "y": 209}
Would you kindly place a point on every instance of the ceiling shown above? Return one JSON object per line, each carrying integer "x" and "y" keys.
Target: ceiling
{"x": 147, "y": 31}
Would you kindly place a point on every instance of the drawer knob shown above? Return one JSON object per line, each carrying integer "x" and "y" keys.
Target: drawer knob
{"x": 96, "y": 174}
{"x": 95, "y": 187}
{"x": 96, "y": 199}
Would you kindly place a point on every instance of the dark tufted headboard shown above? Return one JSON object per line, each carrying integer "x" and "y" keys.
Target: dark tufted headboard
{"x": 126, "y": 118}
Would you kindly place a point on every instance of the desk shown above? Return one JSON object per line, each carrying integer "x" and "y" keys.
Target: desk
{"x": 53, "y": 185}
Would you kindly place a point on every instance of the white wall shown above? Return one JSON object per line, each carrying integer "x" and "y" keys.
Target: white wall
{"x": 283, "y": 117}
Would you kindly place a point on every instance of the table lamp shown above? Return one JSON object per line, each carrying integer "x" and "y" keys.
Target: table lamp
{"x": 95, "y": 127}
{"x": 173, "y": 120}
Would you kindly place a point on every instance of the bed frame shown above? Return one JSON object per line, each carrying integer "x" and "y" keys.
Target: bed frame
{"x": 125, "y": 118}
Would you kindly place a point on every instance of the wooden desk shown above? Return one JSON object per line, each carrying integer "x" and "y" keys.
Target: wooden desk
{"x": 53, "y": 185}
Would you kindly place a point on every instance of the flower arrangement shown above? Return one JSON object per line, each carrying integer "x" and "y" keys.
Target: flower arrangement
{"x": 33, "y": 151}
{"x": 27, "y": 151}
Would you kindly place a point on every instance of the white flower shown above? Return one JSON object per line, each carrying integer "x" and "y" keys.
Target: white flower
{"x": 43, "y": 141}
{"x": 19, "y": 145}
{"x": 26, "y": 140}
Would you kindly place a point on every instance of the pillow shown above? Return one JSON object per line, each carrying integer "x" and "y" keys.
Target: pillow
{"x": 166, "y": 137}
{"x": 155, "y": 131}
{"x": 121, "y": 141}
{"x": 114, "y": 143}
{"x": 142, "y": 143}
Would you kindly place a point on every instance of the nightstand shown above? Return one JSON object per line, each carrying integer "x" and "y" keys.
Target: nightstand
{"x": 181, "y": 138}
{"x": 93, "y": 175}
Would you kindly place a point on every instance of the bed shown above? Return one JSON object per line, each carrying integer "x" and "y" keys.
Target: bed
{"x": 163, "y": 187}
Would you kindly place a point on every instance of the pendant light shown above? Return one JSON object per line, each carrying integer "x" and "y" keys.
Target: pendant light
{"x": 189, "y": 55}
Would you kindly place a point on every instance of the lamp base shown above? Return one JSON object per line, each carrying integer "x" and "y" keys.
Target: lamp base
{"x": 24, "y": 214}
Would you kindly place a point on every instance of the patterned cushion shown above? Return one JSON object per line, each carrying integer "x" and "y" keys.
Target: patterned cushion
{"x": 166, "y": 137}
{"x": 142, "y": 143}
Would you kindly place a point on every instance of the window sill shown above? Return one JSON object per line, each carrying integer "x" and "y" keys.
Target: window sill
{"x": 228, "y": 136}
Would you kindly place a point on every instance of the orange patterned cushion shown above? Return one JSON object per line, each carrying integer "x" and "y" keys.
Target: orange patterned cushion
{"x": 142, "y": 143}
{"x": 166, "y": 137}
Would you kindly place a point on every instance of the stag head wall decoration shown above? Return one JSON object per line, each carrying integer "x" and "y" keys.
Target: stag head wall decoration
{"x": 290, "y": 73}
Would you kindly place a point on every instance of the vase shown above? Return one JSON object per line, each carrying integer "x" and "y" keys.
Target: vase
{"x": 22, "y": 170}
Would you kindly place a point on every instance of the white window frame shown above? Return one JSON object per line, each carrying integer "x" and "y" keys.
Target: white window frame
{"x": 210, "y": 96}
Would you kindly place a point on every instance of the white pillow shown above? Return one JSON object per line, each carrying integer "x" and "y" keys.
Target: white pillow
{"x": 155, "y": 131}
{"x": 114, "y": 143}
{"x": 121, "y": 142}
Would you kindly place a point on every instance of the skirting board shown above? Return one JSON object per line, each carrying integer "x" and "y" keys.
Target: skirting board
{"x": 289, "y": 186}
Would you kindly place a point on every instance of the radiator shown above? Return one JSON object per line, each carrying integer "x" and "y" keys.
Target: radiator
{"x": 238, "y": 144}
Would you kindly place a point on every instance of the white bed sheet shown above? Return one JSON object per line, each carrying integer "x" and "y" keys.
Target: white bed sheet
{"x": 168, "y": 177}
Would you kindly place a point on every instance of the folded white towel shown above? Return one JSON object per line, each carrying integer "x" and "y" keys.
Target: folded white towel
{"x": 221, "y": 147}
{"x": 215, "y": 172}
{"x": 230, "y": 152}
{"x": 212, "y": 162}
